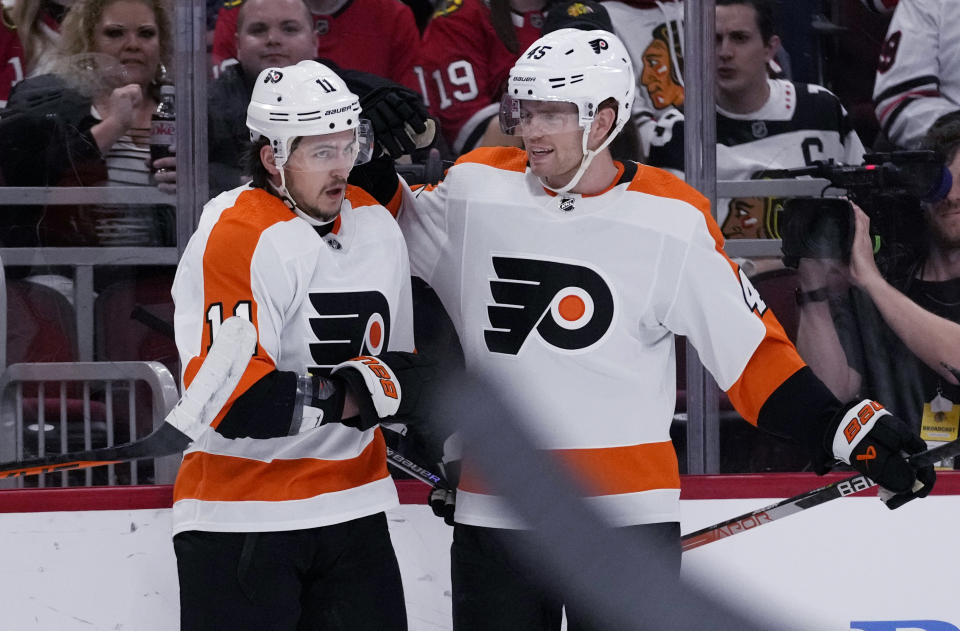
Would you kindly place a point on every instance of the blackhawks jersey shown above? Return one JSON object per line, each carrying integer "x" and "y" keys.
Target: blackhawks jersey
{"x": 653, "y": 35}
{"x": 918, "y": 80}
{"x": 463, "y": 67}
{"x": 375, "y": 36}
{"x": 315, "y": 301}
{"x": 11, "y": 56}
{"x": 570, "y": 304}
{"x": 799, "y": 125}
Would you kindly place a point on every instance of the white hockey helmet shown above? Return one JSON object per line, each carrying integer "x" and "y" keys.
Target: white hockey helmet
{"x": 574, "y": 66}
{"x": 307, "y": 99}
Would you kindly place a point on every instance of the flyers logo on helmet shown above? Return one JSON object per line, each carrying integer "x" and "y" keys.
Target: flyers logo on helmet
{"x": 569, "y": 306}
{"x": 347, "y": 324}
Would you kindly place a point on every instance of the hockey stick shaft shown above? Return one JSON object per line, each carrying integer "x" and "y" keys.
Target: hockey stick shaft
{"x": 202, "y": 400}
{"x": 809, "y": 499}
{"x": 401, "y": 462}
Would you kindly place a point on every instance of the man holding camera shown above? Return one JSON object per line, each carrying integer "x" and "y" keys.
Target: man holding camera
{"x": 894, "y": 335}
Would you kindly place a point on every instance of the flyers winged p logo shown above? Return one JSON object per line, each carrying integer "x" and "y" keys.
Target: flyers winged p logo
{"x": 569, "y": 306}
{"x": 347, "y": 324}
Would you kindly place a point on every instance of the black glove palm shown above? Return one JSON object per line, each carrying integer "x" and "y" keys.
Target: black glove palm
{"x": 399, "y": 120}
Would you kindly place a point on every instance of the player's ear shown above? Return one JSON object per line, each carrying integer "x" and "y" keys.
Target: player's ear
{"x": 268, "y": 160}
{"x": 772, "y": 47}
{"x": 603, "y": 122}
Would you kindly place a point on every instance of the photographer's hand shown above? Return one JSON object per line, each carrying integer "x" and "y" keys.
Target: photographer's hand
{"x": 863, "y": 268}
{"x": 932, "y": 338}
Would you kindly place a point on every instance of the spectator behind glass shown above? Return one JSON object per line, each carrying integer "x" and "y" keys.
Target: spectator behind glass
{"x": 270, "y": 33}
{"x": 762, "y": 123}
{"x": 375, "y": 36}
{"x": 918, "y": 73}
{"x": 653, "y": 34}
{"x": 893, "y": 334}
{"x": 38, "y": 27}
{"x": 273, "y": 33}
{"x": 91, "y": 117}
{"x": 467, "y": 51}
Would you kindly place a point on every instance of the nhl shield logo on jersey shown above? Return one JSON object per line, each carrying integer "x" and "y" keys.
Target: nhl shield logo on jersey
{"x": 569, "y": 306}
{"x": 347, "y": 324}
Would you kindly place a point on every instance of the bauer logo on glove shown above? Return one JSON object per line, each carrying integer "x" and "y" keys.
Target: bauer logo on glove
{"x": 875, "y": 442}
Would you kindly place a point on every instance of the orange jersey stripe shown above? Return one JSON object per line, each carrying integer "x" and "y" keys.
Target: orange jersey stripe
{"x": 216, "y": 478}
{"x": 359, "y": 197}
{"x": 226, "y": 275}
{"x": 776, "y": 359}
{"x": 506, "y": 158}
{"x": 611, "y": 470}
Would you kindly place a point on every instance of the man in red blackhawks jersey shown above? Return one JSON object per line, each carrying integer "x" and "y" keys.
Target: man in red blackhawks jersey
{"x": 567, "y": 275}
{"x": 375, "y": 36}
{"x": 278, "y": 511}
{"x": 465, "y": 56}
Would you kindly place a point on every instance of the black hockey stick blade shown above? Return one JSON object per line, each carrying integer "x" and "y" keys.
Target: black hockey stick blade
{"x": 809, "y": 499}
{"x": 166, "y": 440}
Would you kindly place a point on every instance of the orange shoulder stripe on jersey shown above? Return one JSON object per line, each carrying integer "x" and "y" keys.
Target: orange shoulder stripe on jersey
{"x": 611, "y": 470}
{"x": 775, "y": 359}
{"x": 506, "y": 158}
{"x": 216, "y": 478}
{"x": 654, "y": 181}
{"x": 393, "y": 206}
{"x": 227, "y": 259}
{"x": 359, "y": 197}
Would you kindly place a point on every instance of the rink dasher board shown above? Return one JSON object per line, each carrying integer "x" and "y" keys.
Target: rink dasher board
{"x": 819, "y": 569}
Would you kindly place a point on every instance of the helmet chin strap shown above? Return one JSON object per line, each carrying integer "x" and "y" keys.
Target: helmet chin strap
{"x": 586, "y": 158}
{"x": 288, "y": 200}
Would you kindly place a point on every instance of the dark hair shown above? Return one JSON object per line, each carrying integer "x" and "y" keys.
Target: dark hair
{"x": 252, "y": 165}
{"x": 944, "y": 136}
{"x": 765, "y": 14}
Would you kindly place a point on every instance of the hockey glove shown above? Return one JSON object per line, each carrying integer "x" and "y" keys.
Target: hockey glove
{"x": 874, "y": 442}
{"x": 443, "y": 503}
{"x": 400, "y": 121}
{"x": 388, "y": 388}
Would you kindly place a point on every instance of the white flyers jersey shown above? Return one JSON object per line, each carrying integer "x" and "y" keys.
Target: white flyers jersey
{"x": 315, "y": 301}
{"x": 800, "y": 124}
{"x": 569, "y": 304}
{"x": 918, "y": 73}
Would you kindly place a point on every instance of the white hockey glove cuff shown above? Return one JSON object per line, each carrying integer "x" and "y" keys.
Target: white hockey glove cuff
{"x": 876, "y": 443}
{"x": 392, "y": 387}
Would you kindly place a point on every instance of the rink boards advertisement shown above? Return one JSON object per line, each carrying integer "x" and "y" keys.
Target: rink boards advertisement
{"x": 103, "y": 559}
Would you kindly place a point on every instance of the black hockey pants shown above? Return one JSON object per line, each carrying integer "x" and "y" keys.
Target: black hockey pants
{"x": 492, "y": 591}
{"x": 342, "y": 577}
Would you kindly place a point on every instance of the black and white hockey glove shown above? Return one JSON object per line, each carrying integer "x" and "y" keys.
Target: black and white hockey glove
{"x": 875, "y": 442}
{"x": 400, "y": 121}
{"x": 389, "y": 388}
{"x": 443, "y": 503}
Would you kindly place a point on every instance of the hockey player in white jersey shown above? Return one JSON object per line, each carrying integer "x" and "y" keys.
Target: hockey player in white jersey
{"x": 278, "y": 511}
{"x": 567, "y": 275}
{"x": 918, "y": 73}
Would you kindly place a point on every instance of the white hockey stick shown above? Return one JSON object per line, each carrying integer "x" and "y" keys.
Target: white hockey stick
{"x": 201, "y": 402}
